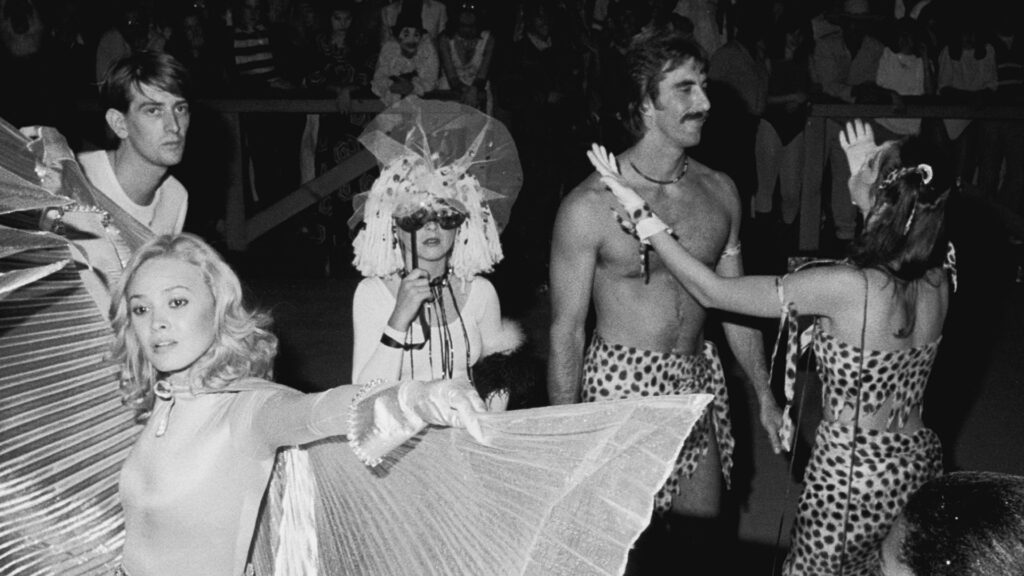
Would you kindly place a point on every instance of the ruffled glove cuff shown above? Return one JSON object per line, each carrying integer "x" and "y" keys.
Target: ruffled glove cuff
{"x": 378, "y": 424}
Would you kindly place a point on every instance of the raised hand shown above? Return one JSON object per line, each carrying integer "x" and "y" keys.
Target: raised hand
{"x": 413, "y": 291}
{"x": 858, "y": 142}
{"x": 644, "y": 223}
{"x": 605, "y": 164}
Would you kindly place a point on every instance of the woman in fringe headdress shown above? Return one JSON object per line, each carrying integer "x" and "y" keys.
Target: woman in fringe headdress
{"x": 430, "y": 228}
{"x": 878, "y": 321}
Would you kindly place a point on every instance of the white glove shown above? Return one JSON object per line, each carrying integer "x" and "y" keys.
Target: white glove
{"x": 645, "y": 222}
{"x": 384, "y": 416}
{"x": 452, "y": 403}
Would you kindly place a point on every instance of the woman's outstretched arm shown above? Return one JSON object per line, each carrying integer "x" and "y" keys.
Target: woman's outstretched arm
{"x": 813, "y": 292}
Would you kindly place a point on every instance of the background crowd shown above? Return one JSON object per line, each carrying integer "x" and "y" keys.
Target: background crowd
{"x": 552, "y": 71}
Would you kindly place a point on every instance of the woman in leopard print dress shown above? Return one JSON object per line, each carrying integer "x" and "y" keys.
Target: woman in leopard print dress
{"x": 878, "y": 320}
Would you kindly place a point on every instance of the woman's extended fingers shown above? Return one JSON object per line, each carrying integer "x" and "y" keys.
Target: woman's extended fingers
{"x": 603, "y": 161}
{"x": 856, "y": 132}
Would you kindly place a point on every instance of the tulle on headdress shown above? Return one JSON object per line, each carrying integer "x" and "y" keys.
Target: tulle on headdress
{"x": 437, "y": 154}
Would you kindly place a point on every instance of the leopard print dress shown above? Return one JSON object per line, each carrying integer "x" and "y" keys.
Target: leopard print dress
{"x": 613, "y": 371}
{"x": 858, "y": 480}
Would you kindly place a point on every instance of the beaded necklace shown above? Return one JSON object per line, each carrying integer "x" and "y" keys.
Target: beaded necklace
{"x": 645, "y": 248}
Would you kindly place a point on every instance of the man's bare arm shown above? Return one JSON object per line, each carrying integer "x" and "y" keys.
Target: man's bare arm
{"x": 573, "y": 259}
{"x": 746, "y": 342}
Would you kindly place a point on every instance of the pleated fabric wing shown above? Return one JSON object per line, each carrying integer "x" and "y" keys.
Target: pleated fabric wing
{"x": 63, "y": 431}
{"x": 561, "y": 490}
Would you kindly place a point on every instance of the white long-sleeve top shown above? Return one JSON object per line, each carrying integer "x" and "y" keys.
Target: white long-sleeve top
{"x": 371, "y": 308}
{"x": 192, "y": 494}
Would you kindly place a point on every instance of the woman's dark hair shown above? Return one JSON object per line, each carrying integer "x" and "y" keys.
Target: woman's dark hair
{"x": 904, "y": 232}
{"x": 650, "y": 57}
{"x": 965, "y": 524}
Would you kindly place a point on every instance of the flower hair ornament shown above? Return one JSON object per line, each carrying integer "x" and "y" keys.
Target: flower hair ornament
{"x": 439, "y": 161}
{"x": 926, "y": 176}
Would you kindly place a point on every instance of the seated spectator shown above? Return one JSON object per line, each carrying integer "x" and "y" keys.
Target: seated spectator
{"x": 466, "y": 60}
{"x": 407, "y": 64}
{"x": 433, "y": 16}
{"x": 963, "y": 523}
{"x": 347, "y": 52}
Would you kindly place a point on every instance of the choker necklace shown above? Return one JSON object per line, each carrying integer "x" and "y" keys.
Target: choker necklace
{"x": 686, "y": 165}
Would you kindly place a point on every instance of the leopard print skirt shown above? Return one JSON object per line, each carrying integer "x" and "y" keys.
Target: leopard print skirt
{"x": 887, "y": 468}
{"x": 614, "y": 371}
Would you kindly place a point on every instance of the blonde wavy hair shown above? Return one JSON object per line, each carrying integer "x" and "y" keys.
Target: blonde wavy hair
{"x": 243, "y": 346}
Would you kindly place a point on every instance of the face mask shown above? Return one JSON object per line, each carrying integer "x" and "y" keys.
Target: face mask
{"x": 447, "y": 220}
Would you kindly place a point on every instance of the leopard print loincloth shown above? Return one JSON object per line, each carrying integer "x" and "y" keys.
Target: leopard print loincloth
{"x": 614, "y": 371}
{"x": 887, "y": 468}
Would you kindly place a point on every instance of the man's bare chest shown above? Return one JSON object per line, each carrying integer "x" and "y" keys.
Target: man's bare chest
{"x": 701, "y": 226}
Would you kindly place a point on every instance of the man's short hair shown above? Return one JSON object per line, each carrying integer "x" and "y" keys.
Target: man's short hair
{"x": 155, "y": 69}
{"x": 650, "y": 57}
{"x": 966, "y": 523}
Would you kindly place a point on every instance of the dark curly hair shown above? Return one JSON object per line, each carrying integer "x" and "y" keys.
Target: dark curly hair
{"x": 968, "y": 523}
{"x": 904, "y": 232}
{"x": 651, "y": 56}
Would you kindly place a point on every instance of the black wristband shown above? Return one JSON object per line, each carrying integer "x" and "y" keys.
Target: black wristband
{"x": 392, "y": 343}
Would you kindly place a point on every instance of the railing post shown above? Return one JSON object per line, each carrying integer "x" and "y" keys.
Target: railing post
{"x": 815, "y": 150}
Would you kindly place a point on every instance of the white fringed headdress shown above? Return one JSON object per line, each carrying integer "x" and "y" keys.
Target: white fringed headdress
{"x": 436, "y": 154}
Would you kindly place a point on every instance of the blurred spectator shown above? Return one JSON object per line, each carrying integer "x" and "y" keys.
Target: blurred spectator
{"x": 254, "y": 59}
{"x": 32, "y": 71}
{"x": 300, "y": 55}
{"x": 1001, "y": 172}
{"x": 706, "y": 16}
{"x": 614, "y": 82}
{"x": 844, "y": 68}
{"x": 538, "y": 88}
{"x": 272, "y": 139}
{"x": 433, "y": 18}
{"x": 70, "y": 38}
{"x": 904, "y": 70}
{"x": 138, "y": 27}
{"x": 198, "y": 46}
{"x": 366, "y": 24}
{"x": 335, "y": 63}
{"x": 738, "y": 89}
{"x": 780, "y": 137}
{"x": 466, "y": 60}
{"x": 967, "y": 76}
{"x": 966, "y": 523}
{"x": 330, "y": 139}
{"x": 407, "y": 64}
